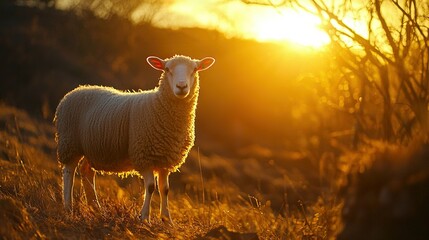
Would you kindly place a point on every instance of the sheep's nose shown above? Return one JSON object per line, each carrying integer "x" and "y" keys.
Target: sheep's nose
{"x": 182, "y": 87}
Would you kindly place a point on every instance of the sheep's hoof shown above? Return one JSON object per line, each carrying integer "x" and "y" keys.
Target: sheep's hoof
{"x": 94, "y": 205}
{"x": 144, "y": 218}
{"x": 68, "y": 208}
{"x": 167, "y": 220}
{"x": 94, "y": 208}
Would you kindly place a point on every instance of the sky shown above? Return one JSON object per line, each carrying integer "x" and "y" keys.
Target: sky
{"x": 237, "y": 19}
{"x": 234, "y": 18}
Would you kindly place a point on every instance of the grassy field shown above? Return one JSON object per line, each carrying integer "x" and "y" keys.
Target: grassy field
{"x": 31, "y": 200}
{"x": 384, "y": 196}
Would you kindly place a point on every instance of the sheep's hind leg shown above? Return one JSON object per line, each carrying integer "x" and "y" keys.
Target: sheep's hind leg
{"x": 163, "y": 190}
{"x": 88, "y": 181}
{"x": 149, "y": 188}
{"x": 69, "y": 170}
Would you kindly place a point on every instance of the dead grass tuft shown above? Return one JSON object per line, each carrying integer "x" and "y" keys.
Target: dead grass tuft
{"x": 31, "y": 200}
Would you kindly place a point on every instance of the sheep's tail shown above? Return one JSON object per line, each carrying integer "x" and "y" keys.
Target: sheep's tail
{"x": 58, "y": 111}
{"x": 55, "y": 119}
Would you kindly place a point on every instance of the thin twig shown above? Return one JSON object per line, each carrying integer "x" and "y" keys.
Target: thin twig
{"x": 304, "y": 213}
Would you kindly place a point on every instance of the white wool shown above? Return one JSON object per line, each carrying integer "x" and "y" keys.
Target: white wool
{"x": 130, "y": 132}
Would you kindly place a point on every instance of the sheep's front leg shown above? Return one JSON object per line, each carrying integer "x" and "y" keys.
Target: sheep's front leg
{"x": 149, "y": 188}
{"x": 88, "y": 181}
{"x": 69, "y": 170}
{"x": 163, "y": 190}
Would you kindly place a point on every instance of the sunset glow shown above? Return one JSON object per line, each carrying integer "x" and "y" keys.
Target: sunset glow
{"x": 236, "y": 19}
{"x": 291, "y": 26}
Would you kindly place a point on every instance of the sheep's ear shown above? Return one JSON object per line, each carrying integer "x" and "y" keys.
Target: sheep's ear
{"x": 156, "y": 63}
{"x": 205, "y": 63}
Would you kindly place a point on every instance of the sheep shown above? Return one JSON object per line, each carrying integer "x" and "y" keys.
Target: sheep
{"x": 148, "y": 133}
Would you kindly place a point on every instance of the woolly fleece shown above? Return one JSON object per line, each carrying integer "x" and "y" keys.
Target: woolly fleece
{"x": 127, "y": 131}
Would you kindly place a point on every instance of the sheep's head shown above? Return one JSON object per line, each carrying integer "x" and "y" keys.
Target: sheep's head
{"x": 180, "y": 71}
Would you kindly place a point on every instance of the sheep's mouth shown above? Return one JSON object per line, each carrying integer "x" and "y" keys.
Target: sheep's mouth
{"x": 181, "y": 93}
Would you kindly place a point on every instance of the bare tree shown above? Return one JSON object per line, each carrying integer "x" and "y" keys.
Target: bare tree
{"x": 389, "y": 58}
{"x": 392, "y": 61}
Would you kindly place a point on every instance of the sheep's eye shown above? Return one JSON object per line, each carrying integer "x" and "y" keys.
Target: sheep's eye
{"x": 167, "y": 69}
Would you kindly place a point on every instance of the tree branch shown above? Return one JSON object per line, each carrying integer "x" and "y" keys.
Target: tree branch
{"x": 387, "y": 30}
{"x": 356, "y": 37}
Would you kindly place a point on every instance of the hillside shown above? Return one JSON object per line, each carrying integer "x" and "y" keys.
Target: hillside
{"x": 31, "y": 200}
{"x": 273, "y": 157}
{"x": 48, "y": 52}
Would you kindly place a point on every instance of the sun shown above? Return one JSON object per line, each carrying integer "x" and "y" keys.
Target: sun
{"x": 236, "y": 19}
{"x": 289, "y": 26}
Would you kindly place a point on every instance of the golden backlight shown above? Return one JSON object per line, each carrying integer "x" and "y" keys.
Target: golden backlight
{"x": 250, "y": 21}
{"x": 288, "y": 25}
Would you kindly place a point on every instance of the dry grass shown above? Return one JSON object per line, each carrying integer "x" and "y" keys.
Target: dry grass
{"x": 31, "y": 201}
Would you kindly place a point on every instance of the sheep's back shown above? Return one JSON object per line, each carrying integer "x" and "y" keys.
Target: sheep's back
{"x": 98, "y": 119}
